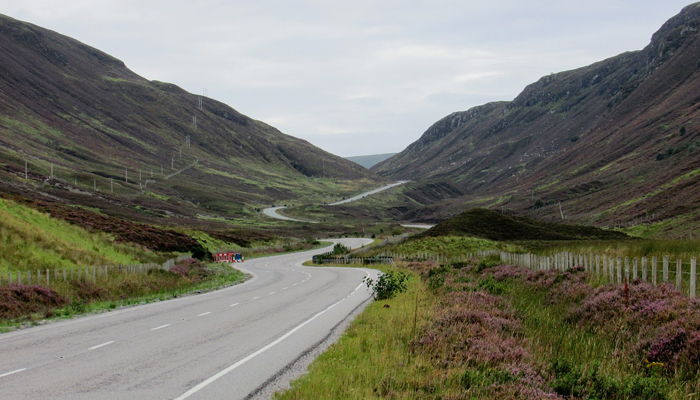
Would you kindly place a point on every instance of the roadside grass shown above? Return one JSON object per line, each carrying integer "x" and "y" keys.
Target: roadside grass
{"x": 448, "y": 246}
{"x": 374, "y": 352}
{"x": 67, "y": 299}
{"x": 683, "y": 248}
{"x": 483, "y": 331}
{"x": 31, "y": 240}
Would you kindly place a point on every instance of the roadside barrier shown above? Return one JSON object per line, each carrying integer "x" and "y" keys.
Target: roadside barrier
{"x": 683, "y": 274}
{"x": 48, "y": 275}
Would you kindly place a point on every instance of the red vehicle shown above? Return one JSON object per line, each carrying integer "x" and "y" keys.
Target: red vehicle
{"x": 228, "y": 256}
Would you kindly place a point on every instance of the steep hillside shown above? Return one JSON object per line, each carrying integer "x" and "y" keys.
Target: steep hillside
{"x": 93, "y": 132}
{"x": 612, "y": 142}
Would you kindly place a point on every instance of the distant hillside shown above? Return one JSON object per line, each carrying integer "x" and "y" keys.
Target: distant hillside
{"x": 613, "y": 142}
{"x": 370, "y": 161}
{"x": 82, "y": 121}
{"x": 493, "y": 225}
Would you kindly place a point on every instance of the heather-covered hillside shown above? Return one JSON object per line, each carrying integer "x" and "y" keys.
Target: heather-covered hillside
{"x": 612, "y": 142}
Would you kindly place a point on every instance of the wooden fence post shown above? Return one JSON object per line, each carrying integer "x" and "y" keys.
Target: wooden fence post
{"x": 653, "y": 270}
{"x": 665, "y": 269}
{"x": 597, "y": 266}
{"x": 644, "y": 269}
{"x": 679, "y": 274}
{"x": 693, "y": 277}
{"x": 619, "y": 270}
{"x": 635, "y": 271}
{"x": 627, "y": 269}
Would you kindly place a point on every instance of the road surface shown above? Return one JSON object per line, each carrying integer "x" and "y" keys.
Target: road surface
{"x": 371, "y": 192}
{"x": 272, "y": 211}
{"x": 220, "y": 345}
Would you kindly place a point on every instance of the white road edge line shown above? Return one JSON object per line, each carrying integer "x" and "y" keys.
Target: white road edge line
{"x": 101, "y": 345}
{"x": 160, "y": 327}
{"x": 215, "y": 377}
{"x": 203, "y": 314}
{"x": 12, "y": 372}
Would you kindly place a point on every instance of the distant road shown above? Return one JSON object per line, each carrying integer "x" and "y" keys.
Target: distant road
{"x": 419, "y": 226}
{"x": 371, "y": 192}
{"x": 272, "y": 211}
{"x": 224, "y": 344}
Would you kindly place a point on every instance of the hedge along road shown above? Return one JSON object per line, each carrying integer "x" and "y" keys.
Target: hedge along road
{"x": 272, "y": 211}
{"x": 226, "y": 344}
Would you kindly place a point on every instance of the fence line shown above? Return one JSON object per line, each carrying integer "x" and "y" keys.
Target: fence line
{"x": 48, "y": 275}
{"x": 603, "y": 268}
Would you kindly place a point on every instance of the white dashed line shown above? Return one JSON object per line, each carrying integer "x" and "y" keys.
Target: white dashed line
{"x": 256, "y": 297}
{"x": 285, "y": 288}
{"x": 101, "y": 345}
{"x": 203, "y": 314}
{"x": 160, "y": 327}
{"x": 12, "y": 372}
{"x": 234, "y": 304}
{"x": 271, "y": 293}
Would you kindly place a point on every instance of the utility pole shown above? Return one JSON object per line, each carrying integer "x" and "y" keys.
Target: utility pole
{"x": 51, "y": 170}
{"x": 26, "y": 171}
{"x": 111, "y": 185}
{"x": 126, "y": 175}
{"x": 94, "y": 184}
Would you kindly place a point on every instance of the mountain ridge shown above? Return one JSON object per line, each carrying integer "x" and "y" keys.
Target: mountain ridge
{"x": 73, "y": 112}
{"x": 592, "y": 138}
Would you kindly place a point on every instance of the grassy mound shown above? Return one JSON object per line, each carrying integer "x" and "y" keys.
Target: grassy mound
{"x": 492, "y": 225}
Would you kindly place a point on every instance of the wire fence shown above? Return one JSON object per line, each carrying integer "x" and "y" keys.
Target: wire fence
{"x": 48, "y": 276}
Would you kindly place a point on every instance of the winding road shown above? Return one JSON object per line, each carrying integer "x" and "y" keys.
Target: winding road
{"x": 272, "y": 211}
{"x": 226, "y": 344}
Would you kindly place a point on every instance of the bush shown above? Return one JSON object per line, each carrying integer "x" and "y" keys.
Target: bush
{"x": 388, "y": 285}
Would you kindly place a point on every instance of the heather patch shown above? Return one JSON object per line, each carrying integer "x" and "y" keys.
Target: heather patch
{"x": 18, "y": 300}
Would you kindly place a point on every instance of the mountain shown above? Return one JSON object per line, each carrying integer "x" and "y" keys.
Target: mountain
{"x": 92, "y": 132}
{"x": 371, "y": 160}
{"x": 612, "y": 143}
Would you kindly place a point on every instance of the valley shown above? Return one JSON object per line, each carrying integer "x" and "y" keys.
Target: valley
{"x": 544, "y": 247}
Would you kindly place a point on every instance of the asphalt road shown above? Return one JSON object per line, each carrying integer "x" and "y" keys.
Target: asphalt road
{"x": 219, "y": 345}
{"x": 371, "y": 192}
{"x": 272, "y": 212}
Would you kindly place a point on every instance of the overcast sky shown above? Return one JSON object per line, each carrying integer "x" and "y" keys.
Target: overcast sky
{"x": 353, "y": 77}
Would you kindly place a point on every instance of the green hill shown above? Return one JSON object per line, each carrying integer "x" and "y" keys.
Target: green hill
{"x": 493, "y": 225}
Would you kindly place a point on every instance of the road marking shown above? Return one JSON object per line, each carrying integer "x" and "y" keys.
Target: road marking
{"x": 234, "y": 304}
{"x": 101, "y": 345}
{"x": 203, "y": 314}
{"x": 285, "y": 288}
{"x": 215, "y": 377}
{"x": 256, "y": 297}
{"x": 160, "y": 327}
{"x": 12, "y": 372}
{"x": 271, "y": 293}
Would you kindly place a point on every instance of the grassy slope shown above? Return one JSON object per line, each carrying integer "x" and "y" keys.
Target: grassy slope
{"x": 30, "y": 240}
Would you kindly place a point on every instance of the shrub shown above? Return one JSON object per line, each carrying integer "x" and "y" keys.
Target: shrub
{"x": 387, "y": 285}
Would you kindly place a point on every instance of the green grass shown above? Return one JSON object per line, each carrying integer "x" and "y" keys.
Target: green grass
{"x": 31, "y": 240}
{"x": 373, "y": 353}
{"x": 120, "y": 289}
{"x": 448, "y": 246}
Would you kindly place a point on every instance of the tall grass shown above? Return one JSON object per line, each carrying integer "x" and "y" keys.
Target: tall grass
{"x": 373, "y": 355}
{"x": 31, "y": 240}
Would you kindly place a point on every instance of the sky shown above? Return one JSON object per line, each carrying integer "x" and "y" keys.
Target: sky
{"x": 353, "y": 77}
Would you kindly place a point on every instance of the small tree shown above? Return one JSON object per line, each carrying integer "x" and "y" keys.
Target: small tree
{"x": 388, "y": 285}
